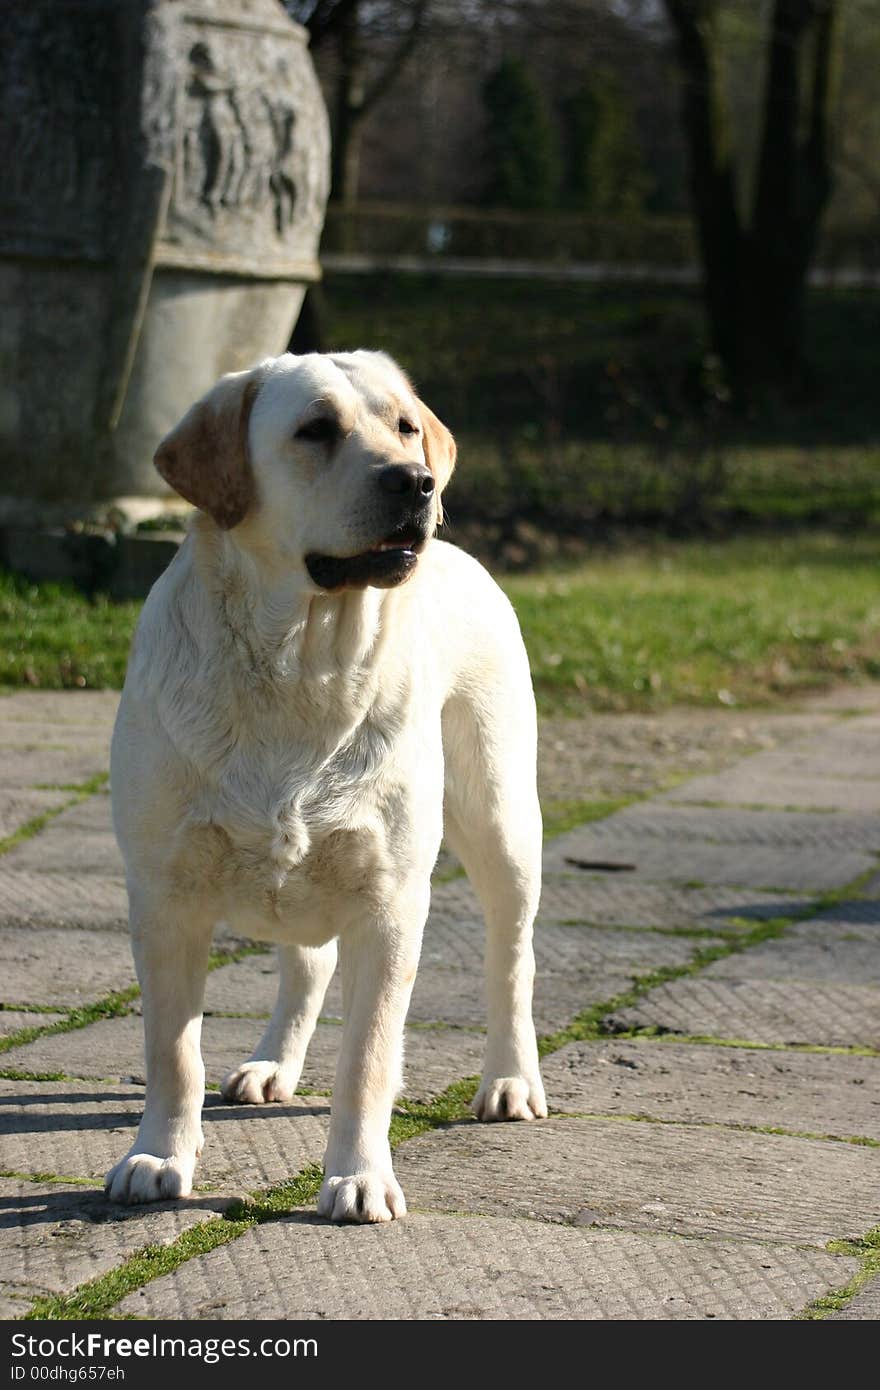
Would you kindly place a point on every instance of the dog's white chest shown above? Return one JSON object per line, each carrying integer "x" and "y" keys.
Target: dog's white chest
{"x": 290, "y": 839}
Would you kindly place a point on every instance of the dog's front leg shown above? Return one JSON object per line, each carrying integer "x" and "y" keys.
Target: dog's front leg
{"x": 378, "y": 969}
{"x": 171, "y": 955}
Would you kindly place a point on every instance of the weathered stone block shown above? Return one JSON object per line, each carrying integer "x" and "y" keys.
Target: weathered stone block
{"x": 113, "y": 1050}
{"x": 770, "y": 1011}
{"x": 55, "y": 1236}
{"x": 76, "y": 1130}
{"x": 683, "y": 1179}
{"x": 451, "y": 1268}
{"x": 68, "y": 968}
{"x": 809, "y": 1092}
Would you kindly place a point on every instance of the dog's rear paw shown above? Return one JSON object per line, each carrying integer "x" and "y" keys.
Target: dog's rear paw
{"x": 362, "y": 1197}
{"x": 255, "y": 1083}
{"x": 143, "y": 1177}
{"x": 510, "y": 1098}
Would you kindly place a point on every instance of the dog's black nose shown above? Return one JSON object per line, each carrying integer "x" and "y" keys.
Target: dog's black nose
{"x": 407, "y": 479}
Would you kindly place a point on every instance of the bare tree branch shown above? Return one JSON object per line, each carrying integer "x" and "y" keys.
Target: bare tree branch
{"x": 398, "y": 57}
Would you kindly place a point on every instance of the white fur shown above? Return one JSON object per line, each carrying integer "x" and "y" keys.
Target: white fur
{"x": 286, "y": 760}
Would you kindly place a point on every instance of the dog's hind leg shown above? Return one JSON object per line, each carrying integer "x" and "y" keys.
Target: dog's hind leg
{"x": 273, "y": 1070}
{"x": 493, "y": 825}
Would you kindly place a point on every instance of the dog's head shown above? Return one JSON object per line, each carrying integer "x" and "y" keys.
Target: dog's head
{"x": 329, "y": 461}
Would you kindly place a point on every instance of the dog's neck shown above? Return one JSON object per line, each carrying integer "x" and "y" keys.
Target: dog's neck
{"x": 319, "y": 652}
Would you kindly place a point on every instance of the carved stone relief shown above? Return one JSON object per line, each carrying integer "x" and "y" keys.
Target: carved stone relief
{"x": 251, "y": 166}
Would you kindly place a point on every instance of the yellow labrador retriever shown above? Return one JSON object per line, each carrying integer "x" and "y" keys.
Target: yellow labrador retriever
{"x": 317, "y": 690}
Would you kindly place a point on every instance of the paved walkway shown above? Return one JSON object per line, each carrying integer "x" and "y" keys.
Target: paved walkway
{"x": 709, "y": 993}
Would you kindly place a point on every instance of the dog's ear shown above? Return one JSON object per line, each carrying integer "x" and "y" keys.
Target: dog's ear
{"x": 205, "y": 457}
{"x": 439, "y": 447}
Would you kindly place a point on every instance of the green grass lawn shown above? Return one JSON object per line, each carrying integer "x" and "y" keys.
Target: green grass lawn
{"x": 735, "y": 622}
{"x": 738, "y": 622}
{"x": 51, "y": 637}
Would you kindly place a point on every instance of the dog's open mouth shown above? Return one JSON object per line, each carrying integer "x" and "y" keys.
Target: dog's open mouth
{"x": 389, "y": 563}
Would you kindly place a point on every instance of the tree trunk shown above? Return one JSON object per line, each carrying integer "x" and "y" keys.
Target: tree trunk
{"x": 310, "y": 329}
{"x": 349, "y": 112}
{"x": 756, "y": 277}
{"x": 712, "y": 175}
{"x": 793, "y": 186}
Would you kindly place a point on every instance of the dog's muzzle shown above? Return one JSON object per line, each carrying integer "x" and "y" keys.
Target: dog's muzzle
{"x": 406, "y": 497}
{"x": 387, "y": 565}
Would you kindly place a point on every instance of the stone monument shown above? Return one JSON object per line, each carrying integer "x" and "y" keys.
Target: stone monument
{"x": 166, "y": 170}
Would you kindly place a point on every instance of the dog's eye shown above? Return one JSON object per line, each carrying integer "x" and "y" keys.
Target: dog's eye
{"x": 318, "y": 431}
{"x": 405, "y": 427}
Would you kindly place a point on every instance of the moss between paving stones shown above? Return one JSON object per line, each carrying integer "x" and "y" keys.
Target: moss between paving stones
{"x": 657, "y": 1035}
{"x": 859, "y": 1140}
{"x": 591, "y": 1022}
{"x": 867, "y": 1251}
{"x": 46, "y": 1178}
{"x": 80, "y": 792}
{"x": 13, "y": 1008}
{"x": 97, "y": 1298}
{"x": 113, "y": 1005}
{"x": 560, "y": 816}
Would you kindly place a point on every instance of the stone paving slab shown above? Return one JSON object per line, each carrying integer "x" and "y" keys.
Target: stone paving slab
{"x": 92, "y": 813}
{"x": 27, "y": 764}
{"x": 77, "y": 1130}
{"x": 619, "y": 901}
{"x": 865, "y": 1307}
{"x": 680, "y": 1179}
{"x": 858, "y": 918}
{"x": 54, "y": 1237}
{"x": 56, "y": 708}
{"x": 15, "y": 1300}
{"x": 811, "y": 1092}
{"x": 797, "y": 868}
{"x": 63, "y": 848}
{"x": 92, "y": 901}
{"x": 844, "y": 750}
{"x": 727, "y": 825}
{"x": 577, "y": 967}
{"x": 871, "y": 887}
{"x": 65, "y": 967}
{"x": 453, "y": 1268}
{"x": 33, "y": 735}
{"x": 20, "y": 806}
{"x": 610, "y": 755}
{"x": 559, "y": 949}
{"x": 768, "y": 1011}
{"x": 809, "y": 951}
{"x": 112, "y": 1050}
{"x": 767, "y": 780}
{"x": 29, "y": 897}
{"x": 13, "y": 1020}
{"x": 452, "y": 997}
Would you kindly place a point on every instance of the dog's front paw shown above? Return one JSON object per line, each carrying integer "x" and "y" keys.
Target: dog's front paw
{"x": 254, "y": 1083}
{"x": 144, "y": 1177}
{"x": 510, "y": 1098}
{"x": 362, "y": 1197}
